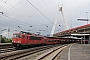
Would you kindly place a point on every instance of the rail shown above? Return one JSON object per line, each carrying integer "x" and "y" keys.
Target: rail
{"x": 52, "y": 54}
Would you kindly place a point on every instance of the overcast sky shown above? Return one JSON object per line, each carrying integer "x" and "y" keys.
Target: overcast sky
{"x": 40, "y": 14}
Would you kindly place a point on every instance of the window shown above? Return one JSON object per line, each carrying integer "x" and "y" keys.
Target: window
{"x": 50, "y": 40}
{"x": 35, "y": 38}
{"x": 16, "y": 36}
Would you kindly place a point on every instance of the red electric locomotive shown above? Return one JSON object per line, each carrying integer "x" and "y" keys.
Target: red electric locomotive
{"x": 24, "y": 39}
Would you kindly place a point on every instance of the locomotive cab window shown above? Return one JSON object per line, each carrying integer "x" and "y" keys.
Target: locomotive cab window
{"x": 16, "y": 36}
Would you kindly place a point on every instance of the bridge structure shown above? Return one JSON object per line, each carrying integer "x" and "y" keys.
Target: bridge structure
{"x": 82, "y": 32}
{"x": 79, "y": 32}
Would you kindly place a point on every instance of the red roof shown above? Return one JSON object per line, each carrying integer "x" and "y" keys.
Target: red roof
{"x": 72, "y": 29}
{"x": 83, "y": 26}
{"x": 79, "y": 27}
{"x": 87, "y": 25}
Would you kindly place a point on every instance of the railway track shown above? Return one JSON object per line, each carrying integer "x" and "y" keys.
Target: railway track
{"x": 6, "y": 48}
{"x": 22, "y": 53}
{"x": 52, "y": 54}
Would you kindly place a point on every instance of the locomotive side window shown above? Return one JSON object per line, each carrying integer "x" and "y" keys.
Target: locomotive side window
{"x": 50, "y": 40}
{"x": 35, "y": 38}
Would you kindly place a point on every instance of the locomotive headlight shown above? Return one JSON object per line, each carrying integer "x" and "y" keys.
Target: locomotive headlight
{"x": 19, "y": 42}
{"x": 12, "y": 40}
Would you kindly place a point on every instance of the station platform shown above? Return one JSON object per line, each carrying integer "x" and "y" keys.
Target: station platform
{"x": 75, "y": 52}
{"x": 5, "y": 44}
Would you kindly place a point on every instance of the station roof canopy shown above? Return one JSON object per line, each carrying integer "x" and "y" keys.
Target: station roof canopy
{"x": 79, "y": 34}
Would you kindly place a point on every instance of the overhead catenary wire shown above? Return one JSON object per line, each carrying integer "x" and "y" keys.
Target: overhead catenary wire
{"x": 70, "y": 18}
{"x": 14, "y": 19}
{"x": 19, "y": 21}
{"x": 11, "y": 22}
{"x": 19, "y": 10}
{"x": 1, "y": 22}
{"x": 14, "y": 6}
{"x": 48, "y": 8}
{"x": 16, "y": 25}
{"x": 39, "y": 11}
{"x": 3, "y": 4}
{"x": 11, "y": 19}
{"x": 52, "y": 14}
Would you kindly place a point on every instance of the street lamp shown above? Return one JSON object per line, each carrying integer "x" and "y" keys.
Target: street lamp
{"x": 83, "y": 20}
{"x": 2, "y": 12}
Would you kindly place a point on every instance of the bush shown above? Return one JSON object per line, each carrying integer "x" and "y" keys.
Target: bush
{"x": 2, "y": 40}
{"x": 9, "y": 40}
{"x": 5, "y": 40}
